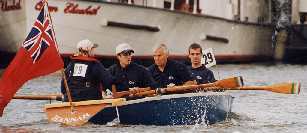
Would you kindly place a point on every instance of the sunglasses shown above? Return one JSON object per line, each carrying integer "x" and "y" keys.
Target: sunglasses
{"x": 128, "y": 53}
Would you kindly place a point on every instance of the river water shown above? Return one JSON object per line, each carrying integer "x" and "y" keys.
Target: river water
{"x": 253, "y": 111}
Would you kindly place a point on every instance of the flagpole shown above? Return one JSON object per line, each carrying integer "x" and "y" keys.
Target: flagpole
{"x": 53, "y": 33}
{"x": 62, "y": 70}
{"x": 67, "y": 91}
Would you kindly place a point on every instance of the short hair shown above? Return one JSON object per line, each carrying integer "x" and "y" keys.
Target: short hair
{"x": 163, "y": 46}
{"x": 195, "y": 46}
{"x": 82, "y": 51}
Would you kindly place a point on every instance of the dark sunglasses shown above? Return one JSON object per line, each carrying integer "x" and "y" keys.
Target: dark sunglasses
{"x": 127, "y": 53}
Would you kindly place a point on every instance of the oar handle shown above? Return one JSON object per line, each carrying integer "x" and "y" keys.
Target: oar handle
{"x": 145, "y": 93}
{"x": 186, "y": 88}
{"x": 131, "y": 92}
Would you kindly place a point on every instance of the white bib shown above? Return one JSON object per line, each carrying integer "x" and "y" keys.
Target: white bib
{"x": 80, "y": 70}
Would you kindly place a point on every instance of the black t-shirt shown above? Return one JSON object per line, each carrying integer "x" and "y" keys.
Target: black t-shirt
{"x": 174, "y": 73}
{"x": 202, "y": 74}
{"x": 133, "y": 75}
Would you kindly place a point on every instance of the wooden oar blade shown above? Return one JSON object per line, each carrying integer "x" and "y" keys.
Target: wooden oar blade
{"x": 230, "y": 82}
{"x": 287, "y": 88}
{"x": 83, "y": 111}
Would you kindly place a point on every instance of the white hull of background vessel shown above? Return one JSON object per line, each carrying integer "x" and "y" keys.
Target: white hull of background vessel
{"x": 76, "y": 20}
{"x": 12, "y": 24}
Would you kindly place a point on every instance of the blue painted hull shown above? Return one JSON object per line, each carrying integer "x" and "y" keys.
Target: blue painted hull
{"x": 178, "y": 109}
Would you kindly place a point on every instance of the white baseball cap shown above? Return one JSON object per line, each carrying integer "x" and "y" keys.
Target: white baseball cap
{"x": 123, "y": 47}
{"x": 86, "y": 45}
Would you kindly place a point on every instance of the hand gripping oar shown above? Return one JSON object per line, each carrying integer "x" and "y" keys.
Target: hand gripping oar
{"x": 233, "y": 82}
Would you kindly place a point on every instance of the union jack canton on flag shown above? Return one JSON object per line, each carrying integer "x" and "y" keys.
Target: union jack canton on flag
{"x": 41, "y": 35}
{"x": 39, "y": 50}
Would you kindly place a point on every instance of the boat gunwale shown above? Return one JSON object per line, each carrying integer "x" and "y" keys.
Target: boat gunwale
{"x": 117, "y": 101}
{"x": 122, "y": 101}
{"x": 174, "y": 96}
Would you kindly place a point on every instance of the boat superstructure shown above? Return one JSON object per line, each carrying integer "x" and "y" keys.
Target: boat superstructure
{"x": 12, "y": 24}
{"x": 237, "y": 30}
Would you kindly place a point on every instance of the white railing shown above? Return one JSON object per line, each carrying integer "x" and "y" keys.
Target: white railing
{"x": 153, "y": 3}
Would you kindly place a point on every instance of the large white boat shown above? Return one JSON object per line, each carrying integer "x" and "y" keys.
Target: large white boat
{"x": 237, "y": 30}
{"x": 12, "y": 28}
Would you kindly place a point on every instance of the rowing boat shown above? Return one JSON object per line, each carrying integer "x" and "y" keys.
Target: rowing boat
{"x": 174, "y": 109}
{"x": 168, "y": 109}
{"x": 168, "y": 106}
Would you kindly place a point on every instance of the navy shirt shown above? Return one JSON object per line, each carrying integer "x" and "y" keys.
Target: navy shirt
{"x": 174, "y": 73}
{"x": 133, "y": 75}
{"x": 202, "y": 74}
{"x": 85, "y": 78}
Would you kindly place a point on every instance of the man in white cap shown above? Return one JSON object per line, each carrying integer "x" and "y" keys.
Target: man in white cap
{"x": 128, "y": 75}
{"x": 86, "y": 76}
{"x": 86, "y": 47}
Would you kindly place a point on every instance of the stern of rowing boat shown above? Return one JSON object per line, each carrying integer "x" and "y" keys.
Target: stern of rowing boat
{"x": 79, "y": 113}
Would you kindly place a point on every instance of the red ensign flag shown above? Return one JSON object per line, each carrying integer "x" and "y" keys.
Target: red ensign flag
{"x": 38, "y": 56}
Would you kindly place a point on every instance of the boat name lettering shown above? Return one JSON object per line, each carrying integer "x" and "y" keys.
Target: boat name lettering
{"x": 61, "y": 119}
{"x": 9, "y": 7}
{"x": 74, "y": 9}
{"x": 39, "y": 6}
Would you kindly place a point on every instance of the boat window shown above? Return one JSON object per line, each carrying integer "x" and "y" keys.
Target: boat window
{"x": 181, "y": 5}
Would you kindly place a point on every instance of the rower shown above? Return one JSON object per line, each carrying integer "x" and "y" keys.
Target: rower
{"x": 167, "y": 72}
{"x": 129, "y": 75}
{"x": 199, "y": 71}
{"x": 85, "y": 75}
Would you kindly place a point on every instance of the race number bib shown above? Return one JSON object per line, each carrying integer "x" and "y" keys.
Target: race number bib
{"x": 208, "y": 58}
{"x": 80, "y": 70}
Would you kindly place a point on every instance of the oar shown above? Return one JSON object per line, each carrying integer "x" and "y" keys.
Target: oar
{"x": 233, "y": 82}
{"x": 130, "y": 92}
{"x": 285, "y": 88}
{"x": 57, "y": 97}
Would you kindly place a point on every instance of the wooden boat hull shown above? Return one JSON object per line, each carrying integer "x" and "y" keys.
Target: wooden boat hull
{"x": 177, "y": 109}
{"x": 80, "y": 113}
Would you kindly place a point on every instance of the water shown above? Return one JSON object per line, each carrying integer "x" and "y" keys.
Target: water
{"x": 253, "y": 111}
